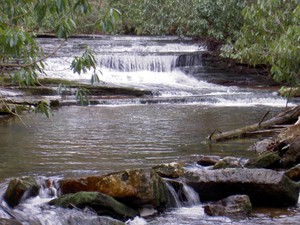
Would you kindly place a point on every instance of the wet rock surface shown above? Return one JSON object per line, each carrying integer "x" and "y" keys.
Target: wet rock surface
{"x": 101, "y": 203}
{"x": 264, "y": 187}
{"x": 228, "y": 162}
{"x": 236, "y": 205}
{"x": 139, "y": 187}
{"x": 169, "y": 170}
{"x": 206, "y": 160}
{"x": 20, "y": 189}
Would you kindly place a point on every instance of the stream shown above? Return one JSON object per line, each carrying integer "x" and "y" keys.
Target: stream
{"x": 117, "y": 134}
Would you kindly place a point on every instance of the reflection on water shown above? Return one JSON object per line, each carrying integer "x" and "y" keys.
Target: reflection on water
{"x": 101, "y": 139}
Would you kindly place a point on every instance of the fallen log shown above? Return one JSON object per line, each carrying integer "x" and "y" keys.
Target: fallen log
{"x": 286, "y": 117}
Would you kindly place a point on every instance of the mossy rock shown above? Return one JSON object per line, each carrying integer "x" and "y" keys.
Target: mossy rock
{"x": 20, "y": 189}
{"x": 266, "y": 160}
{"x": 101, "y": 203}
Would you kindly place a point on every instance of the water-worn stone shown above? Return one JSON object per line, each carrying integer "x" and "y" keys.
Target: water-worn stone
{"x": 266, "y": 160}
{"x": 264, "y": 187}
{"x": 4, "y": 221}
{"x": 294, "y": 173}
{"x": 9, "y": 222}
{"x": 133, "y": 187}
{"x": 206, "y": 160}
{"x": 228, "y": 162}
{"x": 169, "y": 170}
{"x": 101, "y": 203}
{"x": 236, "y": 205}
{"x": 20, "y": 189}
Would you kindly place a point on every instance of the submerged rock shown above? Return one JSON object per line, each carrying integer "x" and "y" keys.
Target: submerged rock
{"x": 132, "y": 187}
{"x": 264, "y": 187}
{"x": 20, "y": 189}
{"x": 236, "y": 205}
{"x": 101, "y": 203}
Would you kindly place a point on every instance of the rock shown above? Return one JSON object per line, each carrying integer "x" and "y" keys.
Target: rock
{"x": 262, "y": 145}
{"x": 291, "y": 157}
{"x": 294, "y": 173}
{"x": 228, "y": 162}
{"x": 236, "y": 205}
{"x": 264, "y": 187}
{"x": 9, "y": 222}
{"x": 265, "y": 160}
{"x": 132, "y": 187}
{"x": 20, "y": 189}
{"x": 101, "y": 203}
{"x": 169, "y": 170}
{"x": 205, "y": 160}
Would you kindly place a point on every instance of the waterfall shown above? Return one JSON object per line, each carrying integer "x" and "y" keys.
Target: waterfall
{"x": 168, "y": 66}
{"x": 174, "y": 196}
{"x": 182, "y": 195}
{"x": 137, "y": 62}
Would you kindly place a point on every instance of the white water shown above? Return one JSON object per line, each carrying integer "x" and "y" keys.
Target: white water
{"x": 154, "y": 64}
{"x": 36, "y": 211}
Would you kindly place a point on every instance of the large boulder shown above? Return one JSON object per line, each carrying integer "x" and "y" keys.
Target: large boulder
{"x": 132, "y": 187}
{"x": 101, "y": 203}
{"x": 264, "y": 187}
{"x": 236, "y": 205}
{"x": 20, "y": 189}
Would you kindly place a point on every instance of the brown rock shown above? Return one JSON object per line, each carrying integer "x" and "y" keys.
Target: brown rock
{"x": 236, "y": 205}
{"x": 136, "y": 187}
{"x": 169, "y": 170}
{"x": 206, "y": 160}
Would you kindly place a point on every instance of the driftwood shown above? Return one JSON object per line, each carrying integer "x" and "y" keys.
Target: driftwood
{"x": 286, "y": 117}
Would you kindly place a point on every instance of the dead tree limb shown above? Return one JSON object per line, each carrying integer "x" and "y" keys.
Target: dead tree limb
{"x": 290, "y": 115}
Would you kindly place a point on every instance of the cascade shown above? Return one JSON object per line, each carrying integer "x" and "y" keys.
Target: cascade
{"x": 169, "y": 67}
{"x": 184, "y": 196}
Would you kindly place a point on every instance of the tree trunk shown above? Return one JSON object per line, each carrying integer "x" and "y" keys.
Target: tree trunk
{"x": 288, "y": 116}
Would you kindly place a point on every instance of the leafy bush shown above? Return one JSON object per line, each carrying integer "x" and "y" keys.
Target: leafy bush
{"x": 271, "y": 35}
{"x": 207, "y": 19}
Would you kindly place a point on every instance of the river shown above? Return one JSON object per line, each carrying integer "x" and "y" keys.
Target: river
{"x": 118, "y": 134}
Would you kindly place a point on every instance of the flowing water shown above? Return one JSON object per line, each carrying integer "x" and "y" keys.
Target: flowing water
{"x": 117, "y": 134}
